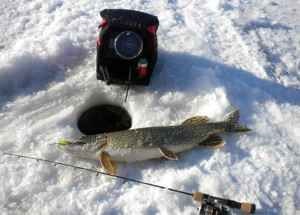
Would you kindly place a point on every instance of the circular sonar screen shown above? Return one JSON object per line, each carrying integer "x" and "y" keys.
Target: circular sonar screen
{"x": 128, "y": 45}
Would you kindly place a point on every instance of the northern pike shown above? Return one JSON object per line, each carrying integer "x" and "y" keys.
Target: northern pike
{"x": 152, "y": 142}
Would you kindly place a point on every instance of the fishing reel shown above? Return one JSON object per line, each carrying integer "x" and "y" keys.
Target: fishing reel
{"x": 211, "y": 205}
{"x": 213, "y": 208}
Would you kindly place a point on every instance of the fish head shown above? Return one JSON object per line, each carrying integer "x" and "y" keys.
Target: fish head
{"x": 79, "y": 148}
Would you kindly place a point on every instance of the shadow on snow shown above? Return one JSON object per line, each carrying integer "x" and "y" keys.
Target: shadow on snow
{"x": 29, "y": 73}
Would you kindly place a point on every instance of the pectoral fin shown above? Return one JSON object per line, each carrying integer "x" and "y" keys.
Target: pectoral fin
{"x": 214, "y": 141}
{"x": 196, "y": 120}
{"x": 168, "y": 154}
{"x": 107, "y": 163}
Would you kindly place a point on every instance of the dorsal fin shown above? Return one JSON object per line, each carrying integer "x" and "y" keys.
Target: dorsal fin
{"x": 196, "y": 120}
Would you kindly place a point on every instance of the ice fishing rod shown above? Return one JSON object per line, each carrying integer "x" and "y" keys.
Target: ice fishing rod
{"x": 209, "y": 203}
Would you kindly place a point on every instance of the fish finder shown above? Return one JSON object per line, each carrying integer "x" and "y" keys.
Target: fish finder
{"x": 126, "y": 47}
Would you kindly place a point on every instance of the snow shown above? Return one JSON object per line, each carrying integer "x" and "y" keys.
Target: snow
{"x": 212, "y": 55}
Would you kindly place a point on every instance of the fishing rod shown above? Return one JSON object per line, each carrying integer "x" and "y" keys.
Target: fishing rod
{"x": 210, "y": 205}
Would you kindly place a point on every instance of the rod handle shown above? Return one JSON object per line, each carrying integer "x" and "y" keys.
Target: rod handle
{"x": 198, "y": 197}
{"x": 248, "y": 207}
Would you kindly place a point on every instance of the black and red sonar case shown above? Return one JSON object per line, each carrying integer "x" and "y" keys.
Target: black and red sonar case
{"x": 126, "y": 47}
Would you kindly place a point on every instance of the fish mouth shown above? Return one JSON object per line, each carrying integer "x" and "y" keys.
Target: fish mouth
{"x": 79, "y": 149}
{"x": 64, "y": 142}
{"x": 68, "y": 145}
{"x": 63, "y": 148}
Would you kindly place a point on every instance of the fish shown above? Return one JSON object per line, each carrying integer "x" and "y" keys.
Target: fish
{"x": 152, "y": 142}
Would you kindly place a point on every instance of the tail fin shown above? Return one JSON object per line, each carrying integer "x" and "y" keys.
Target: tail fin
{"x": 232, "y": 123}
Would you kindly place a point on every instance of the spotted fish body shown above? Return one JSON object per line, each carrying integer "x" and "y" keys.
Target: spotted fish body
{"x": 144, "y": 143}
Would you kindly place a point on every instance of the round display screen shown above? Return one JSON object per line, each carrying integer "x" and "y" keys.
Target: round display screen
{"x": 128, "y": 45}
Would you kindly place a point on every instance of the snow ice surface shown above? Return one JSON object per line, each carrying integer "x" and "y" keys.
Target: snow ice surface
{"x": 213, "y": 54}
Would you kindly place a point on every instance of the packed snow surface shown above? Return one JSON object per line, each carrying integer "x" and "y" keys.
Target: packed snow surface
{"x": 213, "y": 55}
